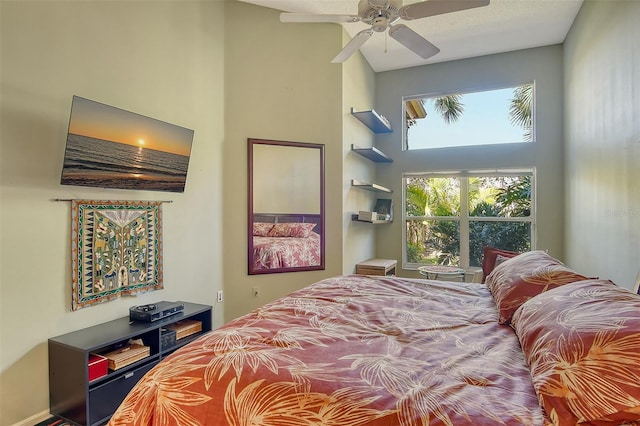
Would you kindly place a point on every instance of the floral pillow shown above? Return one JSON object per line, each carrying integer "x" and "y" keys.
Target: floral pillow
{"x": 489, "y": 257}
{"x": 519, "y": 278}
{"x": 582, "y": 344}
{"x": 296, "y": 230}
{"x": 261, "y": 229}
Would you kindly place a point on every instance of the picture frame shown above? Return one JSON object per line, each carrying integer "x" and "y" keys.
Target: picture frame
{"x": 384, "y": 209}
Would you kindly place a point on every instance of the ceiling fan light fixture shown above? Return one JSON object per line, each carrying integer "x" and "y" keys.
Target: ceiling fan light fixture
{"x": 380, "y": 24}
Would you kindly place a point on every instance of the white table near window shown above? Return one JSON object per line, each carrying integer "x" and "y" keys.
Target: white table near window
{"x": 447, "y": 273}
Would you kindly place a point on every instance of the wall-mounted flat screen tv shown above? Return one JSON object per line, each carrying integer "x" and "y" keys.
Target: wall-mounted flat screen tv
{"x": 108, "y": 147}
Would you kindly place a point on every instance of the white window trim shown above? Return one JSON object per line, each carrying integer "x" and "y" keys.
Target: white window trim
{"x": 534, "y": 138}
{"x": 464, "y": 222}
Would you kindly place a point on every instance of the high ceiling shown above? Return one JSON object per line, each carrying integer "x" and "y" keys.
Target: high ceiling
{"x": 502, "y": 26}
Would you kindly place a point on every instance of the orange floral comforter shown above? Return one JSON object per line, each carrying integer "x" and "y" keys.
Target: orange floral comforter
{"x": 347, "y": 351}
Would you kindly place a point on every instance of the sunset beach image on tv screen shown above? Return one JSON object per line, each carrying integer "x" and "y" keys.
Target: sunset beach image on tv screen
{"x": 109, "y": 147}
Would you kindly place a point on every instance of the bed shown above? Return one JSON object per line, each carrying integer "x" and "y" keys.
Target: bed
{"x": 285, "y": 241}
{"x": 538, "y": 344}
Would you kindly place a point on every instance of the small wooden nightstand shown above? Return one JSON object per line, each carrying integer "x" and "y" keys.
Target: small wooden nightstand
{"x": 377, "y": 267}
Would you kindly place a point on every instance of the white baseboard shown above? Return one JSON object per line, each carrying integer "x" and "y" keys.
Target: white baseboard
{"x": 35, "y": 419}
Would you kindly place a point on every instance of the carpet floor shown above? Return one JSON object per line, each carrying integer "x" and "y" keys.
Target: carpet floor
{"x": 54, "y": 421}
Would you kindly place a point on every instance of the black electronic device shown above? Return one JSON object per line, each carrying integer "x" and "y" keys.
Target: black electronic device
{"x": 155, "y": 311}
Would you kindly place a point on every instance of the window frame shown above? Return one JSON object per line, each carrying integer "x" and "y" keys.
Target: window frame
{"x": 406, "y": 98}
{"x": 464, "y": 219}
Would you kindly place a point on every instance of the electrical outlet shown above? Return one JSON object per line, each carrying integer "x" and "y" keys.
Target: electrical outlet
{"x": 256, "y": 292}
{"x": 220, "y": 298}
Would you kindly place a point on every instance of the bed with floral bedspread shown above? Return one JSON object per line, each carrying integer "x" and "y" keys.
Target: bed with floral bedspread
{"x": 285, "y": 245}
{"x": 538, "y": 344}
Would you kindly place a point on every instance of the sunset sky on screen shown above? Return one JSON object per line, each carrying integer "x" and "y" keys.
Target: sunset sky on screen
{"x": 96, "y": 120}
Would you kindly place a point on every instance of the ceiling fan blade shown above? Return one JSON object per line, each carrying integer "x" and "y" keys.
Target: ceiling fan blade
{"x": 353, "y": 46}
{"x": 305, "y": 17}
{"x": 437, "y": 7}
{"x": 413, "y": 41}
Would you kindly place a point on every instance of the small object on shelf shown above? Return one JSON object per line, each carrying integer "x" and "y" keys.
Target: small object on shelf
{"x": 127, "y": 355}
{"x": 369, "y": 186}
{"x": 185, "y": 328}
{"x": 167, "y": 338}
{"x": 374, "y": 121}
{"x": 98, "y": 366}
{"x": 373, "y": 154}
{"x": 367, "y": 216}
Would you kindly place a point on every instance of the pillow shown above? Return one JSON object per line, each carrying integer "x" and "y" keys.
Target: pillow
{"x": 582, "y": 344}
{"x": 489, "y": 256}
{"x": 521, "y": 277}
{"x": 500, "y": 259}
{"x": 261, "y": 229}
{"x": 297, "y": 230}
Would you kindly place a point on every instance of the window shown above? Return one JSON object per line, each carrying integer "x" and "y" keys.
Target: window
{"x": 462, "y": 119}
{"x": 449, "y": 217}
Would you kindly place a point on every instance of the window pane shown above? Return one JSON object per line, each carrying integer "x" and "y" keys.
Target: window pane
{"x": 503, "y": 196}
{"x": 514, "y": 236}
{"x": 463, "y": 119}
{"x": 433, "y": 242}
{"x": 432, "y": 197}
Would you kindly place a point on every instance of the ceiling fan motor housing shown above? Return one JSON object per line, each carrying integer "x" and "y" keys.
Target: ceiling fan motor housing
{"x": 379, "y": 13}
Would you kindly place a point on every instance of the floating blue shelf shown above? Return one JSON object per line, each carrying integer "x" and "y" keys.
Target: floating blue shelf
{"x": 373, "y": 154}
{"x": 373, "y": 120}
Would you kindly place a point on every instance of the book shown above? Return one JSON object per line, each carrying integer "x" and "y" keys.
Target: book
{"x": 185, "y": 328}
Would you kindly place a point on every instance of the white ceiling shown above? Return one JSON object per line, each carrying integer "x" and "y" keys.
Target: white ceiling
{"x": 504, "y": 25}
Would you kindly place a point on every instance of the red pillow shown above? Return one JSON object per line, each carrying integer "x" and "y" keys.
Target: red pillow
{"x": 295, "y": 229}
{"x": 522, "y": 277}
{"x": 581, "y": 343}
{"x": 489, "y": 255}
{"x": 261, "y": 229}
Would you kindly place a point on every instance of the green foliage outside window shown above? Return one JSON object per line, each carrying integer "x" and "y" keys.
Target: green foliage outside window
{"x": 433, "y": 217}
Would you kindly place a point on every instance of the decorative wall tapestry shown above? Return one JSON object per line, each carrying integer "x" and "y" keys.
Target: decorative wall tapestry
{"x": 116, "y": 249}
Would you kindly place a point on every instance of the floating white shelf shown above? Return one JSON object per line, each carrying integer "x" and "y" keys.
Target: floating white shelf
{"x": 369, "y": 186}
{"x": 354, "y": 217}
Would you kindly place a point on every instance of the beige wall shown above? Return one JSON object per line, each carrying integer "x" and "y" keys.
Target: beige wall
{"x": 358, "y": 93}
{"x": 602, "y": 130}
{"x": 161, "y": 59}
{"x": 231, "y": 72}
{"x": 279, "y": 85}
{"x": 542, "y": 66}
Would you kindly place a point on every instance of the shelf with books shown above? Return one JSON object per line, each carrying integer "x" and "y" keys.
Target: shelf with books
{"x": 382, "y": 213}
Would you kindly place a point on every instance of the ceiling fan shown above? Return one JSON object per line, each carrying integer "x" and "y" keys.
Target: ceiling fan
{"x": 383, "y": 15}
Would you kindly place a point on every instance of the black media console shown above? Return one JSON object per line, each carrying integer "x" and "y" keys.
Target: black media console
{"x": 76, "y": 399}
